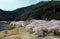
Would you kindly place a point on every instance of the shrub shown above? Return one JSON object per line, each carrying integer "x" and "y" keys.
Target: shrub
{"x": 11, "y": 27}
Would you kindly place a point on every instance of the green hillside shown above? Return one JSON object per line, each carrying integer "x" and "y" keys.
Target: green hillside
{"x": 42, "y": 10}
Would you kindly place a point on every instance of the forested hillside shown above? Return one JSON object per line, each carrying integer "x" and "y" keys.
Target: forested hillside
{"x": 42, "y": 10}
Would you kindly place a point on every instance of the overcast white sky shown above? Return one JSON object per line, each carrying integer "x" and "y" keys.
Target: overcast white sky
{"x": 14, "y": 4}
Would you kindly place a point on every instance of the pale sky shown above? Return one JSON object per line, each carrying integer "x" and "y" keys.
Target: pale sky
{"x": 14, "y": 4}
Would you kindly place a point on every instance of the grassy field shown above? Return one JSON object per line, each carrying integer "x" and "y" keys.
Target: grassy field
{"x": 21, "y": 33}
{"x": 13, "y": 31}
{"x": 25, "y": 35}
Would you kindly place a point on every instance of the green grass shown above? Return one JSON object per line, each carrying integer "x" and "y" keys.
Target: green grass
{"x": 10, "y": 27}
{"x": 25, "y": 35}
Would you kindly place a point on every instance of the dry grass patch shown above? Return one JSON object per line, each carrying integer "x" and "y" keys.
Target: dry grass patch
{"x": 10, "y": 32}
{"x": 2, "y": 35}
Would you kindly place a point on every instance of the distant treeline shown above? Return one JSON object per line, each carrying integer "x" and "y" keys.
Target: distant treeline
{"x": 43, "y": 10}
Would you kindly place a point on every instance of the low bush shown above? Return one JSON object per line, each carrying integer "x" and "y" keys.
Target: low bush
{"x": 11, "y": 27}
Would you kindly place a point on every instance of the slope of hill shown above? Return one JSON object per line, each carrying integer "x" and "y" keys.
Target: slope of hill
{"x": 42, "y": 10}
